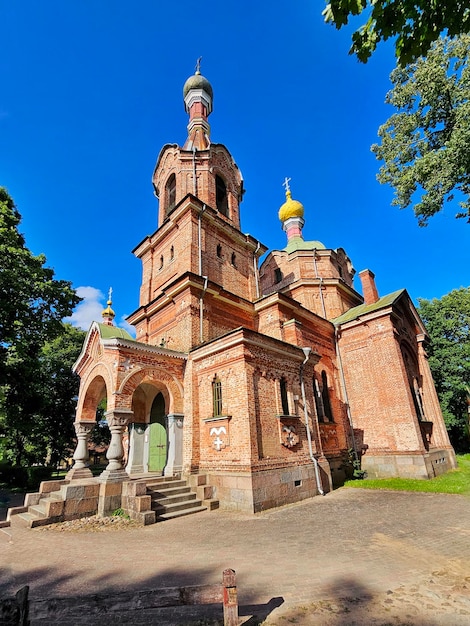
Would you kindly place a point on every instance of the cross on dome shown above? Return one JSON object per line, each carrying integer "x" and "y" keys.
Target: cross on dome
{"x": 286, "y": 183}
{"x": 198, "y": 65}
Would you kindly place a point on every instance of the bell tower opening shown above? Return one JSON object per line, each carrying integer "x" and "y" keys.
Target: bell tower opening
{"x": 221, "y": 197}
{"x": 170, "y": 194}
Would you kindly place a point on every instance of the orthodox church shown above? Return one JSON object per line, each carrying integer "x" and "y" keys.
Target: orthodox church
{"x": 272, "y": 380}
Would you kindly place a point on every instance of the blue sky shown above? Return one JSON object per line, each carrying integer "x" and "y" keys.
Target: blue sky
{"x": 91, "y": 91}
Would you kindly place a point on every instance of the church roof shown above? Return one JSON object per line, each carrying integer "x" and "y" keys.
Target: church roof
{"x": 297, "y": 243}
{"x": 111, "y": 332}
{"x": 365, "y": 309}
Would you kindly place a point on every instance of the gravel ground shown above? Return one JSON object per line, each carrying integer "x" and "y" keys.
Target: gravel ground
{"x": 93, "y": 524}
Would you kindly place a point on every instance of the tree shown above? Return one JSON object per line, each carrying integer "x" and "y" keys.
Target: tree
{"x": 416, "y": 24}
{"x": 425, "y": 146}
{"x": 58, "y": 391}
{"x": 448, "y": 323}
{"x": 32, "y": 305}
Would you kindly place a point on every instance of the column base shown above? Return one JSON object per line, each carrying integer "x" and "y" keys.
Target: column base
{"x": 113, "y": 476}
{"x": 78, "y": 473}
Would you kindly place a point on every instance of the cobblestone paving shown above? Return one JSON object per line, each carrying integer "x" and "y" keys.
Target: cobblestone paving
{"x": 352, "y": 557}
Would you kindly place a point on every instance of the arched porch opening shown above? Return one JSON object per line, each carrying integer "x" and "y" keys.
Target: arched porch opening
{"x": 155, "y": 434}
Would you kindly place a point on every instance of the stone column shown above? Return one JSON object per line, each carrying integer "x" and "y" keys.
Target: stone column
{"x": 110, "y": 496}
{"x": 174, "y": 463}
{"x": 80, "y": 468}
{"x": 117, "y": 420}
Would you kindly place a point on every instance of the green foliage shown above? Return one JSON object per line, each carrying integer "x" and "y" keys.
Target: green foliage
{"x": 456, "y": 481}
{"x": 448, "y": 324}
{"x": 416, "y": 24}
{"x": 120, "y": 513}
{"x": 34, "y": 388}
{"x": 355, "y": 461}
{"x": 100, "y": 434}
{"x": 425, "y": 146}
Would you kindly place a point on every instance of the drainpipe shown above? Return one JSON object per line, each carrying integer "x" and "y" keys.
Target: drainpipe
{"x": 255, "y": 267}
{"x": 201, "y": 299}
{"x": 322, "y": 299}
{"x": 194, "y": 173}
{"x": 199, "y": 237}
{"x": 306, "y": 352}
{"x": 345, "y": 394}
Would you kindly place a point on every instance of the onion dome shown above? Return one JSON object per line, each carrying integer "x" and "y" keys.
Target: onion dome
{"x": 197, "y": 81}
{"x": 290, "y": 208}
{"x": 108, "y": 314}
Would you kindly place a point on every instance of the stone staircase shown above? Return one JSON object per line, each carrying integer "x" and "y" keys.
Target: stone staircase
{"x": 165, "y": 498}
{"x": 174, "y": 497}
{"x": 56, "y": 501}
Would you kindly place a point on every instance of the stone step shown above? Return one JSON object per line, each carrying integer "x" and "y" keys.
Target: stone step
{"x": 179, "y": 497}
{"x": 181, "y": 513}
{"x": 168, "y": 491}
{"x": 38, "y": 510}
{"x": 169, "y": 507}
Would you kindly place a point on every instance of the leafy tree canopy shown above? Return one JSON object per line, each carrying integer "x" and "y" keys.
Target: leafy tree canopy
{"x": 32, "y": 305}
{"x": 448, "y": 323}
{"x": 425, "y": 146}
{"x": 32, "y": 301}
{"x": 416, "y": 24}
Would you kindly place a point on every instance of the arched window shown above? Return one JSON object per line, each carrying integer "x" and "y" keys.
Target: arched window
{"x": 216, "y": 397}
{"x": 170, "y": 189}
{"x": 234, "y": 259}
{"x": 221, "y": 197}
{"x": 219, "y": 250}
{"x": 284, "y": 400}
{"x": 318, "y": 401}
{"x": 325, "y": 394}
{"x": 277, "y": 275}
{"x": 161, "y": 262}
{"x": 172, "y": 253}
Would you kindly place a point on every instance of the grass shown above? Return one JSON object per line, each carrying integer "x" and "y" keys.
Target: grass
{"x": 455, "y": 481}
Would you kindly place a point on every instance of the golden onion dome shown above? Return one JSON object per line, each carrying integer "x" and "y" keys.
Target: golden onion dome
{"x": 290, "y": 208}
{"x": 108, "y": 311}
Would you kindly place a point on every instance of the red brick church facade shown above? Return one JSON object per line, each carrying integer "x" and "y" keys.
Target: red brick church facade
{"x": 268, "y": 379}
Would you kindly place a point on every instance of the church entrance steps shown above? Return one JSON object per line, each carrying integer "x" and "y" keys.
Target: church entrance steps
{"x": 172, "y": 497}
{"x": 153, "y": 498}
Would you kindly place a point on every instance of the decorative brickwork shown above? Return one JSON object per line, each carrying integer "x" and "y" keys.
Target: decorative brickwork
{"x": 266, "y": 380}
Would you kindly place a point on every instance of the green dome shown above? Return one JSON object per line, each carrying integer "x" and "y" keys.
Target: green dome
{"x": 197, "y": 81}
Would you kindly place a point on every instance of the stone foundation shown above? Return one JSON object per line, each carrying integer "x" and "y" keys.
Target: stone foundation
{"x": 411, "y": 465}
{"x": 252, "y": 492}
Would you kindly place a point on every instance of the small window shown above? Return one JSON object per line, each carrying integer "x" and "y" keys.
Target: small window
{"x": 221, "y": 197}
{"x": 170, "y": 189}
{"x": 234, "y": 259}
{"x": 216, "y": 397}
{"x": 219, "y": 251}
{"x": 161, "y": 261}
{"x": 277, "y": 275}
{"x": 325, "y": 394}
{"x": 418, "y": 400}
{"x": 172, "y": 253}
{"x": 318, "y": 401}
{"x": 284, "y": 400}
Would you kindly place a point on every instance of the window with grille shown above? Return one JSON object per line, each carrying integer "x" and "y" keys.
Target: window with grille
{"x": 216, "y": 397}
{"x": 170, "y": 188}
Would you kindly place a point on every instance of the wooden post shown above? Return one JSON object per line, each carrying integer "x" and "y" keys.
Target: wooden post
{"x": 230, "y": 598}
{"x": 23, "y": 606}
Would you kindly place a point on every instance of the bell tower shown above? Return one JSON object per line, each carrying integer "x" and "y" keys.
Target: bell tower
{"x": 199, "y": 241}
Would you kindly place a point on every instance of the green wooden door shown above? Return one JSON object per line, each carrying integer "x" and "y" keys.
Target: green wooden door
{"x": 158, "y": 438}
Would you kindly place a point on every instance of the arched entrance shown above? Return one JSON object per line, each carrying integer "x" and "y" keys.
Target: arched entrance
{"x": 157, "y": 435}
